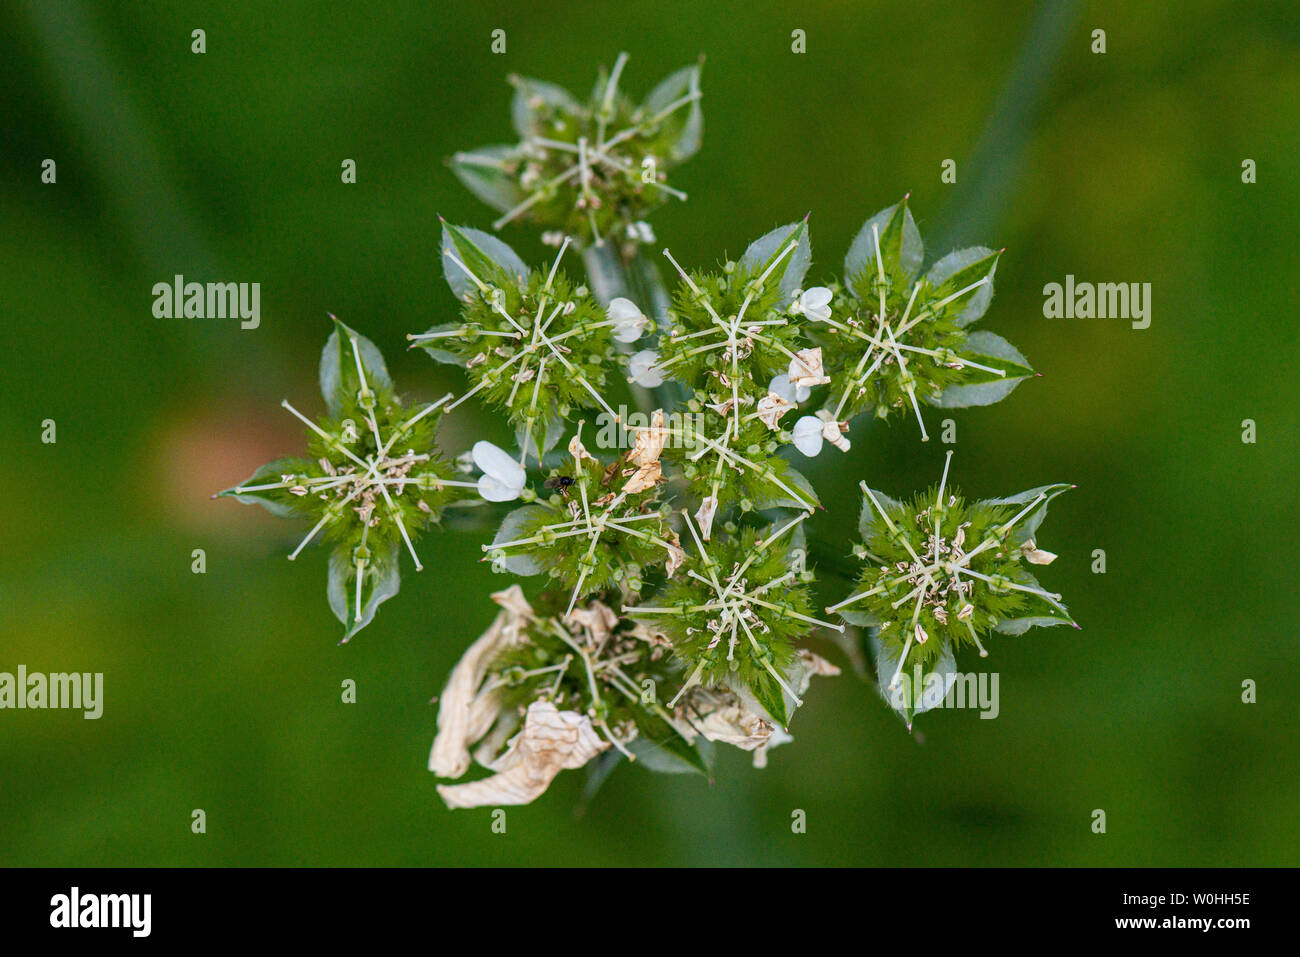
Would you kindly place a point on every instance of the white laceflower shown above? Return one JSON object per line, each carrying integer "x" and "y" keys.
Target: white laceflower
{"x": 503, "y": 478}
{"x": 643, "y": 369}
{"x": 815, "y": 303}
{"x": 629, "y": 322}
{"x": 807, "y": 435}
{"x": 782, "y": 386}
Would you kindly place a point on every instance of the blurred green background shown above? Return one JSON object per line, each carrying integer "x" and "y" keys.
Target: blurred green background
{"x": 222, "y": 690}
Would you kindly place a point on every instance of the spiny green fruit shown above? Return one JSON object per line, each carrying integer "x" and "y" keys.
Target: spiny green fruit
{"x": 532, "y": 344}
{"x": 592, "y": 170}
{"x": 940, "y": 573}
{"x": 896, "y": 338}
{"x": 373, "y": 478}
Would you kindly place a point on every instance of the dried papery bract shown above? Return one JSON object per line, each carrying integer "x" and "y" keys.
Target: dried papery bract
{"x": 465, "y": 711}
{"x": 550, "y": 742}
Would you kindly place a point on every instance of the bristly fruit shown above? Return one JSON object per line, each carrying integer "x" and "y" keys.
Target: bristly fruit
{"x": 591, "y": 170}
{"x": 372, "y": 480}
{"x": 896, "y": 338}
{"x": 941, "y": 573}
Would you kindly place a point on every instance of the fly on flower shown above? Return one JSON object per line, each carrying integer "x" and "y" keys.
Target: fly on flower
{"x": 598, "y": 531}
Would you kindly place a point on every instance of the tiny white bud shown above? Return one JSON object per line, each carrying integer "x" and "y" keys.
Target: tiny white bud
{"x": 815, "y": 303}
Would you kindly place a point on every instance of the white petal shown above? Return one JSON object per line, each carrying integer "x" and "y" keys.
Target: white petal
{"x": 781, "y": 386}
{"x": 815, "y": 303}
{"x": 807, "y": 435}
{"x": 643, "y": 369}
{"x": 621, "y": 309}
{"x": 498, "y": 464}
{"x": 816, "y": 296}
{"x": 628, "y": 320}
{"x": 496, "y": 491}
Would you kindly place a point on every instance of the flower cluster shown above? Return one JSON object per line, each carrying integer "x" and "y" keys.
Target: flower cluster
{"x": 940, "y": 573}
{"x": 589, "y": 170}
{"x": 372, "y": 481}
{"x": 898, "y": 338}
{"x": 670, "y": 551}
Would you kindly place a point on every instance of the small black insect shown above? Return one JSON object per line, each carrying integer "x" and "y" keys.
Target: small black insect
{"x": 561, "y": 483}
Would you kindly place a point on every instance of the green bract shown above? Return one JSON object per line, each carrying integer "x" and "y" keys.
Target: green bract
{"x": 588, "y": 169}
{"x": 373, "y": 479}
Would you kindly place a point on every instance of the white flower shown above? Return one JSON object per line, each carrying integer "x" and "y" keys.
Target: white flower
{"x": 780, "y": 385}
{"x": 643, "y": 369}
{"x": 811, "y": 431}
{"x": 815, "y": 303}
{"x": 807, "y": 435}
{"x": 503, "y": 478}
{"x": 628, "y": 320}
